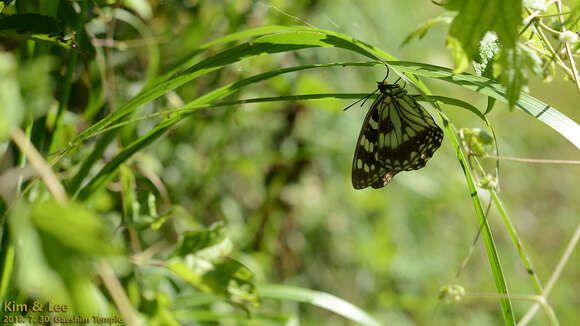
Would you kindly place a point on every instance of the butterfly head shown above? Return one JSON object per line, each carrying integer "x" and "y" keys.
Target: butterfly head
{"x": 391, "y": 89}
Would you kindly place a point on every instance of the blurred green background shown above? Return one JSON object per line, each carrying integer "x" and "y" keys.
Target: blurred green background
{"x": 278, "y": 174}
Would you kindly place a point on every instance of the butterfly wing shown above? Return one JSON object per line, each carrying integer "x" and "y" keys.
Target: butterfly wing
{"x": 366, "y": 168}
{"x": 408, "y": 135}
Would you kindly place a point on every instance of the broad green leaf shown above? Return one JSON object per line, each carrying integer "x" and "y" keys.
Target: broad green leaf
{"x": 49, "y": 267}
{"x": 287, "y": 39}
{"x": 488, "y": 49}
{"x": 34, "y": 27}
{"x": 74, "y": 226}
{"x": 211, "y": 244}
{"x": 475, "y": 18}
{"x": 513, "y": 73}
{"x": 11, "y": 101}
{"x": 33, "y": 272}
{"x": 228, "y": 278}
{"x": 201, "y": 259}
{"x": 514, "y": 65}
{"x": 25, "y": 90}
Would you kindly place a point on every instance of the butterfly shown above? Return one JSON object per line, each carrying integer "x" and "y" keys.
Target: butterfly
{"x": 397, "y": 135}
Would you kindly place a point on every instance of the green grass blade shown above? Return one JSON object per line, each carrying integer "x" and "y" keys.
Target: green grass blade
{"x": 490, "y": 247}
{"x": 188, "y": 59}
{"x": 193, "y": 106}
{"x": 455, "y": 102}
{"x": 110, "y": 169}
{"x": 319, "y": 299}
{"x": 526, "y": 103}
{"x": 517, "y": 242}
{"x": 269, "y": 44}
{"x": 286, "y": 39}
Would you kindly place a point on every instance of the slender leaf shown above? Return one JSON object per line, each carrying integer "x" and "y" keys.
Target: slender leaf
{"x": 319, "y": 299}
{"x": 490, "y": 248}
{"x": 422, "y": 30}
{"x": 526, "y": 103}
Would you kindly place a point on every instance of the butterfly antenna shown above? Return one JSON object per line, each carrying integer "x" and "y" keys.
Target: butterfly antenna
{"x": 405, "y": 84}
{"x": 368, "y": 96}
{"x": 396, "y": 81}
{"x": 364, "y": 99}
{"x": 384, "y": 79}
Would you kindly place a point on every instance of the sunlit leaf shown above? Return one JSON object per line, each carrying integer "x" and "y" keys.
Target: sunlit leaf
{"x": 13, "y": 108}
{"x": 422, "y": 30}
{"x": 74, "y": 226}
{"x": 201, "y": 259}
{"x": 488, "y": 49}
{"x": 228, "y": 278}
{"x": 475, "y": 18}
{"x": 211, "y": 244}
{"x": 34, "y": 27}
{"x": 319, "y": 299}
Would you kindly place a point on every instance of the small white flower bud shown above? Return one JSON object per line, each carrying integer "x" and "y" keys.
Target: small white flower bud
{"x": 569, "y": 37}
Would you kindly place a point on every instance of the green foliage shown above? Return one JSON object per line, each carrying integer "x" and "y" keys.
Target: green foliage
{"x": 420, "y": 32}
{"x": 24, "y": 90}
{"x": 201, "y": 258}
{"x": 35, "y": 27}
{"x": 473, "y": 21}
{"x": 488, "y": 49}
{"x": 205, "y": 157}
{"x": 76, "y": 227}
{"x": 56, "y": 250}
{"x": 476, "y": 139}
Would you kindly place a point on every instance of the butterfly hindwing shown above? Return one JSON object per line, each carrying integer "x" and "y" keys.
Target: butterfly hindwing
{"x": 410, "y": 135}
{"x": 405, "y": 135}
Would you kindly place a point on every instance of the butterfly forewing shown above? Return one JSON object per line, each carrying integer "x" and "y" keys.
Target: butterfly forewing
{"x": 397, "y": 135}
{"x": 365, "y": 168}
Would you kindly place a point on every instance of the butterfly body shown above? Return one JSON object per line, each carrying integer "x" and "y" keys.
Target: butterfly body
{"x": 397, "y": 135}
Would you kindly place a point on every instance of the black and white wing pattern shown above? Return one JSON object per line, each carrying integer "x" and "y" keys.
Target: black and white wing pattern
{"x": 397, "y": 135}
